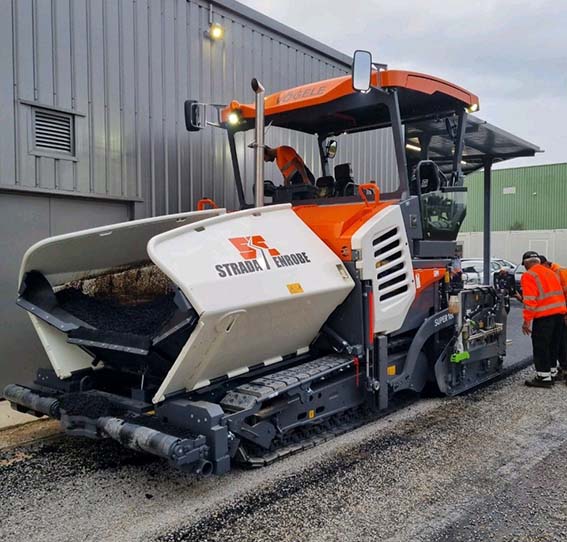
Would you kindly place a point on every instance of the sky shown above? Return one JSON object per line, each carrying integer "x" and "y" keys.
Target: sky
{"x": 511, "y": 53}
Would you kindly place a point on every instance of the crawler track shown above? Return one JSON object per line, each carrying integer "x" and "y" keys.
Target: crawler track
{"x": 307, "y": 437}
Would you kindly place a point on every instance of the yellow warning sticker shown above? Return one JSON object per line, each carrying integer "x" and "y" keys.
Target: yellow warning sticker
{"x": 391, "y": 370}
{"x": 311, "y": 414}
{"x": 295, "y": 288}
{"x": 342, "y": 271}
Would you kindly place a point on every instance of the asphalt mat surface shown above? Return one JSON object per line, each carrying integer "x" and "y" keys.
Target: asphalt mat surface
{"x": 488, "y": 465}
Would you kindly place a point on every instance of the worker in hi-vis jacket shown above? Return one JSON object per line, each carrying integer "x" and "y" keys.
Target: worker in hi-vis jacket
{"x": 561, "y": 272}
{"x": 544, "y": 314}
{"x": 290, "y": 164}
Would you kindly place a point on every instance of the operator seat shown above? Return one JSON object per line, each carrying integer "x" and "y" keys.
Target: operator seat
{"x": 429, "y": 176}
{"x": 345, "y": 183}
{"x": 325, "y": 186}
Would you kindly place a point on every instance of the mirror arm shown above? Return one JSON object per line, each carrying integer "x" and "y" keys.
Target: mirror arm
{"x": 323, "y": 154}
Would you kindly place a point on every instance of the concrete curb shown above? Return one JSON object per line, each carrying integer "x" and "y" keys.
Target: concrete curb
{"x": 12, "y": 418}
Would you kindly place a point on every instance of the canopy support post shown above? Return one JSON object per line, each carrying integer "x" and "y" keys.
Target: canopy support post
{"x": 399, "y": 142}
{"x": 487, "y": 218}
{"x": 236, "y": 170}
{"x": 459, "y": 147}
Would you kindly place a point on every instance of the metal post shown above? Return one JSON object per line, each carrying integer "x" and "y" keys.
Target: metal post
{"x": 487, "y": 219}
{"x": 259, "y": 148}
{"x": 399, "y": 144}
{"x": 459, "y": 147}
{"x": 236, "y": 169}
{"x": 383, "y": 372}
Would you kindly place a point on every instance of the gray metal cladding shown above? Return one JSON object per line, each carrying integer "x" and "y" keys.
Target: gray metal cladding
{"x": 122, "y": 69}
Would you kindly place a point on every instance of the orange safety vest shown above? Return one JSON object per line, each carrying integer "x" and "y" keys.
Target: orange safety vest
{"x": 289, "y": 163}
{"x": 561, "y": 272}
{"x": 542, "y": 292}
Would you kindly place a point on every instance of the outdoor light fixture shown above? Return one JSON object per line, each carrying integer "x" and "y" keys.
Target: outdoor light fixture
{"x": 472, "y": 108}
{"x": 411, "y": 147}
{"x": 215, "y": 32}
{"x": 233, "y": 118}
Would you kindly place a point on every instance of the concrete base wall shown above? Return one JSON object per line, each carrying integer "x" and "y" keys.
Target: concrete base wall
{"x": 26, "y": 219}
{"x": 512, "y": 244}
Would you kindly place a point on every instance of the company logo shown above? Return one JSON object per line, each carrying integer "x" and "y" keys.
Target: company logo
{"x": 249, "y": 247}
{"x": 257, "y": 256}
{"x": 301, "y": 94}
{"x": 443, "y": 320}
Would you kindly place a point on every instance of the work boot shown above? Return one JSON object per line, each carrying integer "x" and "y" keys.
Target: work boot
{"x": 539, "y": 382}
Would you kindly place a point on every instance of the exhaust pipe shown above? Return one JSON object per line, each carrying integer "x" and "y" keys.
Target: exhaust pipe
{"x": 32, "y": 402}
{"x": 259, "y": 149}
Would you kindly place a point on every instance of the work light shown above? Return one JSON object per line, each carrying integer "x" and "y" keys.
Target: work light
{"x": 215, "y": 32}
{"x": 233, "y": 118}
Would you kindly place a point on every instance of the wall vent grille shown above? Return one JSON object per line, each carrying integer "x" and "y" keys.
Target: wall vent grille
{"x": 53, "y": 131}
{"x": 389, "y": 255}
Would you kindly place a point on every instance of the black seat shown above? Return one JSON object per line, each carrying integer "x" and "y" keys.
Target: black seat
{"x": 325, "y": 186}
{"x": 345, "y": 184}
{"x": 428, "y": 177}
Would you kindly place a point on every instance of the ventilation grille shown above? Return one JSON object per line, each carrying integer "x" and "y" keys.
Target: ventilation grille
{"x": 389, "y": 255}
{"x": 53, "y": 131}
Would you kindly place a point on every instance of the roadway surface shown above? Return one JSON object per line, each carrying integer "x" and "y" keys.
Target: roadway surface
{"x": 485, "y": 466}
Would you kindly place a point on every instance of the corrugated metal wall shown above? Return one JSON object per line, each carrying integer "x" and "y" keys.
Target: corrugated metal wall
{"x": 525, "y": 198}
{"x": 125, "y": 68}
{"x": 122, "y": 69}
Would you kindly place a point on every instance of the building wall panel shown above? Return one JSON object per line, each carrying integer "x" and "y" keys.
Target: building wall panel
{"x": 511, "y": 245}
{"x": 526, "y": 198}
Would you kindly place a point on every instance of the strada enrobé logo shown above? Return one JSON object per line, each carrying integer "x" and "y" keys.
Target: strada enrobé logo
{"x": 256, "y": 256}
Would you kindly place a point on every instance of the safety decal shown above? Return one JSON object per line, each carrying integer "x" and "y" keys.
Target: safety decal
{"x": 295, "y": 288}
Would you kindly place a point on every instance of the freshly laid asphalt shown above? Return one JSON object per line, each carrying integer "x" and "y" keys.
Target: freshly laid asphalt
{"x": 489, "y": 465}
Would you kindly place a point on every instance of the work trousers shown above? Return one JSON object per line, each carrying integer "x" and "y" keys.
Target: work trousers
{"x": 547, "y": 333}
{"x": 562, "y": 354}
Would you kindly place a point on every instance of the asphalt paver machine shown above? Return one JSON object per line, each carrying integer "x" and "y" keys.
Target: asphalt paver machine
{"x": 210, "y": 338}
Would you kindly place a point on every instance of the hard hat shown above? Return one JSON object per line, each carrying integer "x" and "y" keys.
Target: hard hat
{"x": 529, "y": 254}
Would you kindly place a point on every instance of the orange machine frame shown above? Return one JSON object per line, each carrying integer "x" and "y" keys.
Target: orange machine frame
{"x": 332, "y": 89}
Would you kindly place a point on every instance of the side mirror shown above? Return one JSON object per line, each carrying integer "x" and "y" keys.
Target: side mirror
{"x": 361, "y": 70}
{"x": 195, "y": 115}
{"x": 331, "y": 150}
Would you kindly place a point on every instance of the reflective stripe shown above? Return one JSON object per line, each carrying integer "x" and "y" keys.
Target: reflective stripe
{"x": 550, "y": 294}
{"x": 541, "y": 291}
{"x": 288, "y": 176}
{"x": 285, "y": 166}
{"x": 546, "y": 307}
{"x": 538, "y": 281}
{"x": 544, "y": 296}
{"x": 291, "y": 167}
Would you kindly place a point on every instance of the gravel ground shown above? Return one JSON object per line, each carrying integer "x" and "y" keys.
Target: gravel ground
{"x": 485, "y": 466}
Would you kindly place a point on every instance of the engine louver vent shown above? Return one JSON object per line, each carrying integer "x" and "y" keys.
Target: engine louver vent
{"x": 389, "y": 253}
{"x": 53, "y": 131}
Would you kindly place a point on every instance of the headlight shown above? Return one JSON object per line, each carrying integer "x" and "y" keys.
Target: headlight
{"x": 233, "y": 118}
